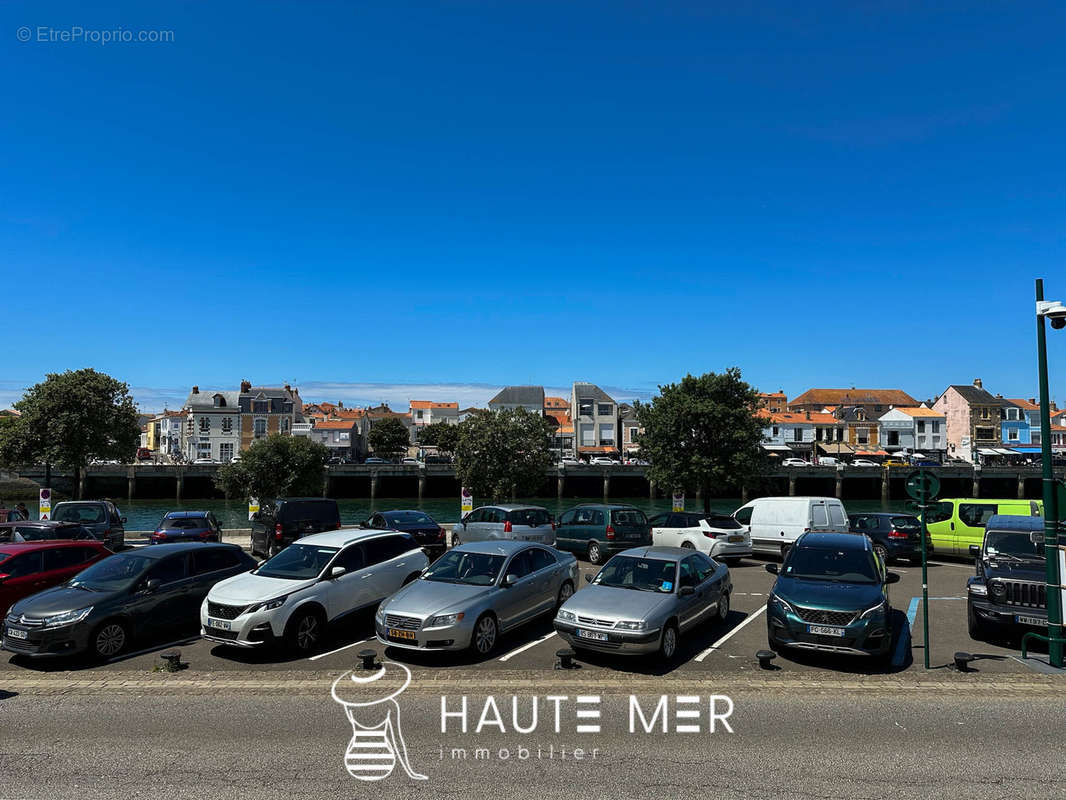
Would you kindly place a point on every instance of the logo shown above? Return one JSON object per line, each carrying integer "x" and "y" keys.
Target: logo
{"x": 377, "y": 742}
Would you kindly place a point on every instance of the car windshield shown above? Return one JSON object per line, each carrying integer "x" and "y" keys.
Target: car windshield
{"x": 645, "y": 574}
{"x": 829, "y": 564}
{"x": 298, "y": 562}
{"x": 80, "y": 513}
{"x": 1015, "y": 544}
{"x": 33, "y": 533}
{"x": 408, "y": 518}
{"x": 907, "y": 524}
{"x": 183, "y": 523}
{"x": 478, "y": 569}
{"x": 112, "y": 574}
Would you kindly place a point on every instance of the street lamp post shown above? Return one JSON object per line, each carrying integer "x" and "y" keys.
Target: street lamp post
{"x": 1051, "y": 517}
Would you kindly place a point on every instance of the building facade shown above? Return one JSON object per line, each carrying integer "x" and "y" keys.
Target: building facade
{"x": 426, "y": 412}
{"x": 595, "y": 416}
{"x": 873, "y": 402}
{"x": 212, "y": 425}
{"x": 531, "y": 398}
{"x": 265, "y": 410}
{"x": 973, "y": 418}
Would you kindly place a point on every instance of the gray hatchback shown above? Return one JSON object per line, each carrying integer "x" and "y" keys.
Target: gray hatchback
{"x": 644, "y": 599}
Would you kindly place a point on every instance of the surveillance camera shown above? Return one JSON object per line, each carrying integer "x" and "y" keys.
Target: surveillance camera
{"x": 1054, "y": 311}
{"x": 1058, "y": 323}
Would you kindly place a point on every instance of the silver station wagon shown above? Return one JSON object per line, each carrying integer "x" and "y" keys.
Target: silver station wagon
{"x": 644, "y": 599}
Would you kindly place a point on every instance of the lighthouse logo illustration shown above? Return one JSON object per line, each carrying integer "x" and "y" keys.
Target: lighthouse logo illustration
{"x": 369, "y": 701}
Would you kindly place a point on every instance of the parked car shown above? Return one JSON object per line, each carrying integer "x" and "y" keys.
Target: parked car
{"x": 775, "y": 523}
{"x": 101, "y": 517}
{"x": 375, "y": 460}
{"x": 716, "y": 535}
{"x": 279, "y": 524}
{"x": 863, "y": 462}
{"x": 43, "y": 530}
{"x": 438, "y": 460}
{"x": 831, "y": 595}
{"x": 296, "y": 595}
{"x": 795, "y": 462}
{"x": 643, "y": 600}
{"x": 1008, "y": 593}
{"x": 604, "y": 461}
{"x": 569, "y": 460}
{"x": 597, "y": 531}
{"x": 203, "y": 461}
{"x": 517, "y": 522}
{"x": 895, "y": 462}
{"x": 424, "y": 529}
{"x": 828, "y": 461}
{"x": 187, "y": 526}
{"x": 475, "y": 592}
{"x": 409, "y": 460}
{"x": 126, "y": 596}
{"x": 954, "y": 524}
{"x": 143, "y": 454}
{"x": 894, "y": 536}
{"x": 27, "y": 568}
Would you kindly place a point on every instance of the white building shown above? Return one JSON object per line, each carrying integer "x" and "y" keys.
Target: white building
{"x": 212, "y": 425}
{"x": 916, "y": 430}
{"x": 595, "y": 417}
{"x": 426, "y": 412}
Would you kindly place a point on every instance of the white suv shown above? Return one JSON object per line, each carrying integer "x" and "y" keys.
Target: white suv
{"x": 295, "y": 595}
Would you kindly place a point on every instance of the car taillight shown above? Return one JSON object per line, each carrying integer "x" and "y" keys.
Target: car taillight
{"x": 159, "y": 535}
{"x": 894, "y": 534}
{"x": 553, "y": 526}
{"x": 507, "y": 526}
{"x": 440, "y": 533}
{"x": 338, "y": 524}
{"x": 206, "y": 534}
{"x": 277, "y": 532}
{"x": 610, "y": 532}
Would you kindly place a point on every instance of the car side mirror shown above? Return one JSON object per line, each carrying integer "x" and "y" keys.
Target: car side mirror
{"x": 123, "y": 520}
{"x": 892, "y": 577}
{"x": 773, "y": 569}
{"x": 686, "y": 591}
{"x": 509, "y": 579}
{"x": 4, "y": 577}
{"x": 336, "y": 572}
{"x": 152, "y": 585}
{"x": 588, "y": 577}
{"x": 975, "y": 550}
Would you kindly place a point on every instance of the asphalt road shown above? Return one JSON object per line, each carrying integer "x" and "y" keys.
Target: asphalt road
{"x": 820, "y": 742}
{"x": 713, "y": 649}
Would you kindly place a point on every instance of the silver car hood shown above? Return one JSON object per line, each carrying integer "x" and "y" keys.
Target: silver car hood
{"x": 423, "y": 598}
{"x": 607, "y": 602}
{"x": 246, "y": 588}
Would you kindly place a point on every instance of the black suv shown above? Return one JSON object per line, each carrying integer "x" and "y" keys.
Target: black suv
{"x": 279, "y": 525}
{"x": 895, "y": 536}
{"x": 1008, "y": 595}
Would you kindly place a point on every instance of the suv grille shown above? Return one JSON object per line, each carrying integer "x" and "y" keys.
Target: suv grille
{"x": 403, "y": 623}
{"x": 820, "y": 616}
{"x": 224, "y": 612}
{"x": 1019, "y": 593}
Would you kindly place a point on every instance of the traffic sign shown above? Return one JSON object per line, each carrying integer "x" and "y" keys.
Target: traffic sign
{"x": 44, "y": 504}
{"x": 923, "y": 486}
{"x": 679, "y": 501}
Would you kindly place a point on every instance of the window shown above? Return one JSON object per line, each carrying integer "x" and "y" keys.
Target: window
{"x": 836, "y": 516}
{"x": 1012, "y": 435}
{"x": 893, "y": 438}
{"x": 879, "y": 408}
{"x": 743, "y": 516}
{"x": 203, "y": 450}
{"x": 584, "y": 408}
{"x": 342, "y": 436}
{"x": 819, "y": 517}
{"x": 205, "y": 424}
{"x": 21, "y": 566}
{"x": 351, "y": 558}
{"x": 259, "y": 427}
{"x": 388, "y": 547}
{"x": 419, "y": 415}
{"x": 940, "y": 512}
{"x": 542, "y": 559}
{"x": 168, "y": 570}
{"x": 213, "y": 559}
{"x": 632, "y": 435}
{"x": 776, "y": 430}
{"x": 63, "y": 558}
{"x": 588, "y": 434}
{"x": 567, "y": 518}
{"x": 220, "y": 401}
{"x": 797, "y": 434}
{"x": 936, "y": 427}
{"x": 986, "y": 434}
{"x": 862, "y": 435}
{"x": 607, "y": 434}
{"x": 704, "y": 567}
{"x": 689, "y": 573}
{"x": 605, "y": 409}
{"x": 285, "y": 425}
{"x": 225, "y": 452}
{"x": 597, "y": 518}
{"x": 261, "y": 406}
{"x": 976, "y": 515}
{"x": 521, "y": 564}
{"x": 532, "y": 517}
{"x": 1037, "y": 438}
{"x": 921, "y": 441}
{"x": 984, "y": 413}
{"x": 921, "y": 426}
{"x": 227, "y": 424}
{"x": 1012, "y": 414}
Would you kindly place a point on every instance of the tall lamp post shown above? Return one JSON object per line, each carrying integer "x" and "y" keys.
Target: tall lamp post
{"x": 1056, "y": 312}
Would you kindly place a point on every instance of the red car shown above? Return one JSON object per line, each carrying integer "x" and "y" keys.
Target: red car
{"x": 30, "y": 567}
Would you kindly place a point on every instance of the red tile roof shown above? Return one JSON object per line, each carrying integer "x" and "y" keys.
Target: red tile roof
{"x": 556, "y": 403}
{"x": 1022, "y": 403}
{"x": 854, "y": 397}
{"x": 431, "y": 404}
{"x": 335, "y": 425}
{"x": 799, "y": 417}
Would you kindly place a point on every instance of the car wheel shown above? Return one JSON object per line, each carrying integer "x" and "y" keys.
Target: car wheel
{"x": 687, "y": 546}
{"x": 305, "y": 631}
{"x": 882, "y": 553}
{"x": 723, "y": 607}
{"x": 456, "y": 541}
{"x": 668, "y": 643}
{"x": 566, "y": 591}
{"x": 785, "y": 548}
{"x": 595, "y": 554}
{"x": 109, "y": 640}
{"x": 485, "y": 632}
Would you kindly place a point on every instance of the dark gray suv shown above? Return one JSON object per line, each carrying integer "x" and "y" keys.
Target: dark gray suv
{"x": 100, "y": 517}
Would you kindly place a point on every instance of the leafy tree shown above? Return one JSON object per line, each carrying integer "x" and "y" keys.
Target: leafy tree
{"x": 277, "y": 466}
{"x": 501, "y": 453}
{"x": 442, "y": 435}
{"x": 701, "y": 433}
{"x": 71, "y": 418}
{"x": 388, "y": 438}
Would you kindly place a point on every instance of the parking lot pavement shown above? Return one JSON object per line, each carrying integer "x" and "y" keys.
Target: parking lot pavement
{"x": 715, "y": 648}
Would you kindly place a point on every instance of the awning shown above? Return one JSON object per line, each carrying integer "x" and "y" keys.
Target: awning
{"x": 598, "y": 449}
{"x": 987, "y": 451}
{"x": 835, "y": 448}
{"x": 1005, "y": 452}
{"x": 1026, "y": 449}
{"x": 780, "y": 448}
{"x": 871, "y": 453}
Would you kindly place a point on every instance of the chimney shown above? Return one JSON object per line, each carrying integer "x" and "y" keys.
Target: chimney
{"x": 808, "y": 414}
{"x": 196, "y": 390}
{"x": 1032, "y": 401}
{"x": 246, "y": 386}
{"x": 978, "y": 384}
{"x": 288, "y": 388}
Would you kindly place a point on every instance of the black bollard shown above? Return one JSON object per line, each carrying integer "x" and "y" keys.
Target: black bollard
{"x": 368, "y": 656}
{"x": 565, "y": 658}
{"x": 765, "y": 657}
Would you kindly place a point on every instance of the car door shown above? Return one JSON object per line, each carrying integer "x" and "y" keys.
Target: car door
{"x": 564, "y": 534}
{"x": 164, "y": 607}
{"x": 61, "y": 564}
{"x": 710, "y": 582}
{"x": 940, "y": 525}
{"x": 209, "y": 566}
{"x": 390, "y": 560}
{"x": 350, "y": 591}
{"x": 546, "y": 581}
{"x": 23, "y": 578}
{"x": 690, "y": 609}
{"x": 470, "y": 529}
{"x": 516, "y": 601}
{"x": 971, "y": 526}
{"x": 660, "y": 533}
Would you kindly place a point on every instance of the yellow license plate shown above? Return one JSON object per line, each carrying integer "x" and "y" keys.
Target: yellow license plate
{"x": 395, "y": 634}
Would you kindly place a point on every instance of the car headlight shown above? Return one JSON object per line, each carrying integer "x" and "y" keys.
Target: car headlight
{"x": 269, "y": 605}
{"x": 445, "y": 619}
{"x": 978, "y": 589}
{"x": 379, "y": 615}
{"x": 631, "y": 625}
{"x": 879, "y": 608}
{"x": 566, "y": 616}
{"x": 67, "y": 618}
{"x": 775, "y": 598}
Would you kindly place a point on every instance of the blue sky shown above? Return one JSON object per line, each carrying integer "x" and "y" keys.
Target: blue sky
{"x": 475, "y": 193}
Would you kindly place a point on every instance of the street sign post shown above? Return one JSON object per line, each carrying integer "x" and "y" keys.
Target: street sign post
{"x": 467, "y": 502}
{"x": 679, "y": 501}
{"x": 253, "y": 507}
{"x": 923, "y": 487}
{"x": 44, "y": 504}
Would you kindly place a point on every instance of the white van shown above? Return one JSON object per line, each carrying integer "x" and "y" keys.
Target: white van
{"x": 776, "y": 522}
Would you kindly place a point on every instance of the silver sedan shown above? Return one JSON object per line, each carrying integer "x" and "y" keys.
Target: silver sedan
{"x": 474, "y": 592}
{"x": 644, "y": 599}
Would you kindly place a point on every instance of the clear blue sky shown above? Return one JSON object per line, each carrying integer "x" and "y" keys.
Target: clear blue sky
{"x": 470, "y": 192}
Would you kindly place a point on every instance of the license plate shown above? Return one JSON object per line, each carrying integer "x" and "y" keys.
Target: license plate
{"x": 596, "y": 636}
{"x": 392, "y": 633}
{"x": 735, "y": 539}
{"x": 825, "y": 630}
{"x": 221, "y": 624}
{"x": 1040, "y": 622}
{"x": 15, "y": 633}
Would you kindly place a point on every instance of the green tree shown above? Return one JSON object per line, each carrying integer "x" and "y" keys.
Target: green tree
{"x": 442, "y": 435}
{"x": 277, "y": 466}
{"x": 71, "y": 418}
{"x": 702, "y": 433}
{"x": 501, "y": 453}
{"x": 388, "y": 438}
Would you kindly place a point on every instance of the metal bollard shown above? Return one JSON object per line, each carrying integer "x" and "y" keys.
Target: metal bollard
{"x": 368, "y": 657}
{"x": 962, "y": 661}
{"x": 565, "y": 659}
{"x": 172, "y": 661}
{"x": 765, "y": 658}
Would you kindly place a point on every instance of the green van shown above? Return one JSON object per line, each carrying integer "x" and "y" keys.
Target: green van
{"x": 957, "y": 523}
{"x": 599, "y": 530}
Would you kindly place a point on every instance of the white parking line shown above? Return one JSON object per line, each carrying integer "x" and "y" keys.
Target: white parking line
{"x": 331, "y": 652}
{"x": 525, "y": 647}
{"x": 726, "y": 638}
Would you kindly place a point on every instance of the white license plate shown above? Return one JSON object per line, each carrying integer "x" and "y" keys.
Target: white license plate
{"x": 1040, "y": 622}
{"x": 825, "y": 630}
{"x": 735, "y": 539}
{"x": 596, "y": 636}
{"x": 15, "y": 633}
{"x": 221, "y": 624}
